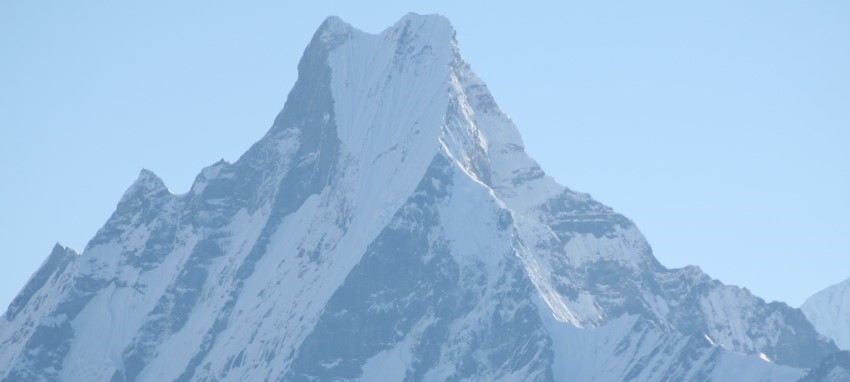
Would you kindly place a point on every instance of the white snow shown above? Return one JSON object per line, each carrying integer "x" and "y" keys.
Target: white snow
{"x": 391, "y": 365}
{"x": 22, "y": 325}
{"x": 401, "y": 98}
{"x": 711, "y": 341}
{"x": 738, "y": 367}
{"x": 829, "y": 311}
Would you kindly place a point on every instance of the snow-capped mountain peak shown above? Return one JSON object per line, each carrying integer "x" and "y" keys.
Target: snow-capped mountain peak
{"x": 829, "y": 311}
{"x": 389, "y": 226}
{"x": 147, "y": 185}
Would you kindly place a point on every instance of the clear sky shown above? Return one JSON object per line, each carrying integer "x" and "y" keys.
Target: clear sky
{"x": 721, "y": 128}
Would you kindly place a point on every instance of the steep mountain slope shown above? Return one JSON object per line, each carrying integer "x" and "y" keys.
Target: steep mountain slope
{"x": 833, "y": 368}
{"x": 829, "y": 311}
{"x": 389, "y": 226}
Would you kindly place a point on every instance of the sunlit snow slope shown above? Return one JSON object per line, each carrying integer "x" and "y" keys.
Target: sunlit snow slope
{"x": 829, "y": 312}
{"x": 389, "y": 226}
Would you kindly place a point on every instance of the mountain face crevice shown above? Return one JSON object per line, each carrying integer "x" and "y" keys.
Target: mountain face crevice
{"x": 389, "y": 226}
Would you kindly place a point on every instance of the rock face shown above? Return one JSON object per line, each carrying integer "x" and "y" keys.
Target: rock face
{"x": 389, "y": 226}
{"x": 833, "y": 368}
{"x": 829, "y": 311}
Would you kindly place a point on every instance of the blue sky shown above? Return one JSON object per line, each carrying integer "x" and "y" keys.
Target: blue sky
{"x": 722, "y": 129}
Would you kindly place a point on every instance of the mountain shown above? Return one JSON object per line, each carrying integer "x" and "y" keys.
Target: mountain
{"x": 389, "y": 226}
{"x": 829, "y": 311}
{"x": 833, "y": 368}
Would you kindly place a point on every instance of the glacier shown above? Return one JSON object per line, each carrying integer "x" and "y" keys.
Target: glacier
{"x": 388, "y": 226}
